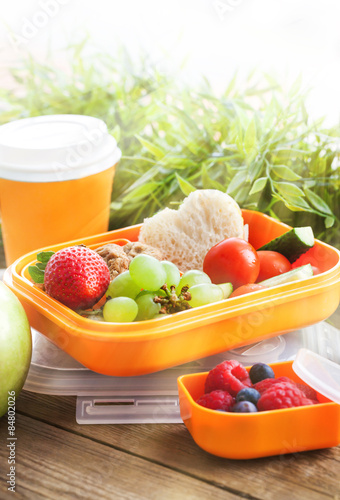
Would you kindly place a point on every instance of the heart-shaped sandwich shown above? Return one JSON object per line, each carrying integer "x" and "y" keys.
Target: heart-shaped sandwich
{"x": 184, "y": 236}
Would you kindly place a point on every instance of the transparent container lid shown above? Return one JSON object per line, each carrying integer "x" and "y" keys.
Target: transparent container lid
{"x": 319, "y": 373}
{"x": 153, "y": 398}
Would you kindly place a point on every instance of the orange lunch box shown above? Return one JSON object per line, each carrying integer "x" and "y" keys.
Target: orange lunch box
{"x": 137, "y": 348}
{"x": 261, "y": 434}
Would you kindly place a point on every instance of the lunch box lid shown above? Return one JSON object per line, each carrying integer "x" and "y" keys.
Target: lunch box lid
{"x": 153, "y": 398}
{"x": 55, "y": 148}
{"x": 319, "y": 373}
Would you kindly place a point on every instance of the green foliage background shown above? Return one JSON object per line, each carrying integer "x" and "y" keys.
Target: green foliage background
{"x": 253, "y": 140}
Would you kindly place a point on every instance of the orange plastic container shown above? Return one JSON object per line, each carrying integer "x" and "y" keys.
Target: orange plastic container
{"x": 128, "y": 349}
{"x": 253, "y": 435}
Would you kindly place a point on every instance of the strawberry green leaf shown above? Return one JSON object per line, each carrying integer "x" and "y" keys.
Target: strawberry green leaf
{"x": 44, "y": 257}
{"x": 40, "y": 266}
{"x": 36, "y": 274}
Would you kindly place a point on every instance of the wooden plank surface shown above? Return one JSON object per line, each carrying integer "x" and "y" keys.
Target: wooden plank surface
{"x": 53, "y": 463}
{"x": 58, "y": 458}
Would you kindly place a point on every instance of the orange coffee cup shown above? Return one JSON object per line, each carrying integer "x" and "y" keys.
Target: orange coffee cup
{"x": 56, "y": 176}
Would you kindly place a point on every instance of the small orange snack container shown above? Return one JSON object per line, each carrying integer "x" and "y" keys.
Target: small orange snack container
{"x": 142, "y": 347}
{"x": 56, "y": 176}
{"x": 266, "y": 433}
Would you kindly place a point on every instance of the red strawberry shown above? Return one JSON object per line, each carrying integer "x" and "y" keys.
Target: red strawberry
{"x": 76, "y": 276}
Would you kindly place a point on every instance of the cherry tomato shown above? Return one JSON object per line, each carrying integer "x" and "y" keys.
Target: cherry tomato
{"x": 310, "y": 257}
{"x": 250, "y": 287}
{"x": 232, "y": 260}
{"x": 272, "y": 264}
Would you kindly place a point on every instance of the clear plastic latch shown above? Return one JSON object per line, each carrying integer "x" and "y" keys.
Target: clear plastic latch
{"x": 127, "y": 410}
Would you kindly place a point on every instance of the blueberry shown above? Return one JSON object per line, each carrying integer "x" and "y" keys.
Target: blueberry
{"x": 260, "y": 371}
{"x": 248, "y": 394}
{"x": 244, "y": 407}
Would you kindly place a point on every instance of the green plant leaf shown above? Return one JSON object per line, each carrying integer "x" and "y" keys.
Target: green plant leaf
{"x": 116, "y": 133}
{"x": 242, "y": 195}
{"x": 142, "y": 191}
{"x": 237, "y": 181}
{"x": 208, "y": 182}
{"x": 295, "y": 88}
{"x": 255, "y": 169}
{"x": 185, "y": 186}
{"x": 296, "y": 204}
{"x": 250, "y": 138}
{"x": 329, "y": 222}
{"x": 258, "y": 185}
{"x": 285, "y": 172}
{"x": 318, "y": 202}
{"x": 286, "y": 188}
{"x": 154, "y": 150}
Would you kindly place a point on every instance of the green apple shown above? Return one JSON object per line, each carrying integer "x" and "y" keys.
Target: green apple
{"x": 15, "y": 346}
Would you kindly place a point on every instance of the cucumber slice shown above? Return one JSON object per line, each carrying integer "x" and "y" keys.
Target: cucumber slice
{"x": 293, "y": 243}
{"x": 227, "y": 289}
{"x": 300, "y": 273}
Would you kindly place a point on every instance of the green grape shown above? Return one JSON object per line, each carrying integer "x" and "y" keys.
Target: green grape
{"x": 120, "y": 310}
{"x": 227, "y": 289}
{"x": 147, "y": 272}
{"x": 205, "y": 293}
{"x": 192, "y": 278}
{"x": 123, "y": 286}
{"x": 159, "y": 293}
{"x": 172, "y": 273}
{"x": 147, "y": 308}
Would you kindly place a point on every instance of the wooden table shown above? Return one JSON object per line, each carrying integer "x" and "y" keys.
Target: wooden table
{"x": 56, "y": 458}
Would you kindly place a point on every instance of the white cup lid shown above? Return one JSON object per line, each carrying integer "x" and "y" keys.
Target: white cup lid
{"x": 319, "y": 373}
{"x": 55, "y": 148}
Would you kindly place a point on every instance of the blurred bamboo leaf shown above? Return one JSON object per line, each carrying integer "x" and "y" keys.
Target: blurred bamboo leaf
{"x": 317, "y": 202}
{"x": 286, "y": 188}
{"x": 250, "y": 138}
{"x": 285, "y": 173}
{"x": 142, "y": 191}
{"x": 185, "y": 186}
{"x": 237, "y": 181}
{"x": 156, "y": 151}
{"x": 258, "y": 185}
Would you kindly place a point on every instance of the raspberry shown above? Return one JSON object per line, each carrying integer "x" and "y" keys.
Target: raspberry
{"x": 282, "y": 395}
{"x": 308, "y": 391}
{"x": 263, "y": 385}
{"x": 217, "y": 400}
{"x": 228, "y": 376}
